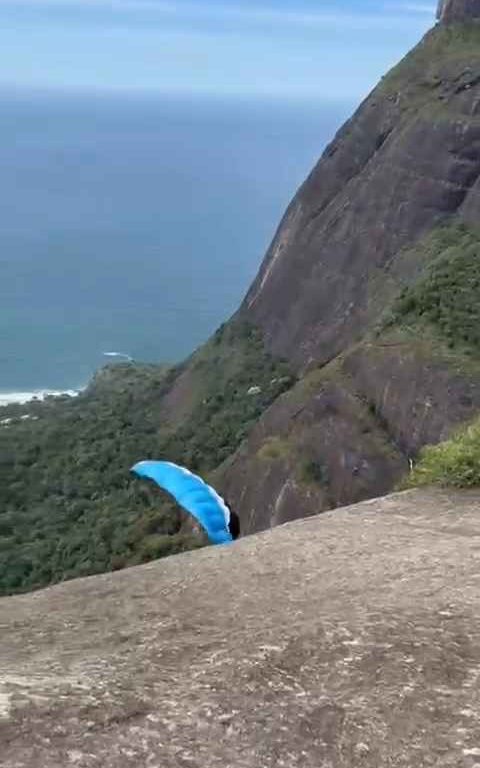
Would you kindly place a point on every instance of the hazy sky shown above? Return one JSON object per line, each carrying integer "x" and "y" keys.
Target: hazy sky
{"x": 325, "y": 49}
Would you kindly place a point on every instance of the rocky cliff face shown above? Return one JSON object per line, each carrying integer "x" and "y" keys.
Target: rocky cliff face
{"x": 407, "y": 160}
{"x": 355, "y": 235}
{"x": 450, "y": 11}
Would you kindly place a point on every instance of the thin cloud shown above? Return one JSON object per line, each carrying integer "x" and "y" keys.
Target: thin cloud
{"x": 422, "y": 8}
{"x": 207, "y": 47}
{"x": 254, "y": 15}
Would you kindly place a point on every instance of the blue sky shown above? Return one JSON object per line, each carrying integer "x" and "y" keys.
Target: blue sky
{"x": 288, "y": 49}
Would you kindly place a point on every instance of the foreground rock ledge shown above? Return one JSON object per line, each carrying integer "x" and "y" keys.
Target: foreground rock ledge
{"x": 349, "y": 639}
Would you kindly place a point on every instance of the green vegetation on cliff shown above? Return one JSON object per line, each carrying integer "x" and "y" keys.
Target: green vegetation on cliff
{"x": 453, "y": 463}
{"x": 68, "y": 505}
{"x": 425, "y": 70}
{"x": 443, "y": 307}
{"x": 446, "y": 296}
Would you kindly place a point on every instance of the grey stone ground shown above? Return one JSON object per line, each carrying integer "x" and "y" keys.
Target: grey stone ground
{"x": 349, "y": 639}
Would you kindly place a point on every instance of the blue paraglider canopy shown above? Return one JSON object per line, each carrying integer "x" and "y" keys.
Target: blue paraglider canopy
{"x": 193, "y": 494}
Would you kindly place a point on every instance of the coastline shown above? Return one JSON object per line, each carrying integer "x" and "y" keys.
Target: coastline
{"x": 21, "y": 398}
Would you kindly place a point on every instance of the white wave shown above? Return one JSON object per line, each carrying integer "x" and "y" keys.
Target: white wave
{"x": 119, "y": 354}
{"x": 25, "y": 417}
{"x": 20, "y": 398}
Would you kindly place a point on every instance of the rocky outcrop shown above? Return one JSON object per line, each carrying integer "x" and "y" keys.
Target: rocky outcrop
{"x": 450, "y": 11}
{"x": 348, "y": 431}
{"x": 350, "y": 639}
{"x": 319, "y": 447}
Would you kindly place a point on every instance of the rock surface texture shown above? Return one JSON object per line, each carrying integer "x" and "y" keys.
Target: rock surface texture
{"x": 349, "y": 640}
{"x": 450, "y": 11}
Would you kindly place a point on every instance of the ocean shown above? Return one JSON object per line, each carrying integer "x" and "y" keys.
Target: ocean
{"x": 135, "y": 224}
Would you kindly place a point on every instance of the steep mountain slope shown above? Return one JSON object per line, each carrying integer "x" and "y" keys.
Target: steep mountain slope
{"x": 382, "y": 207}
{"x": 393, "y": 194}
{"x": 409, "y": 158}
{"x": 450, "y": 11}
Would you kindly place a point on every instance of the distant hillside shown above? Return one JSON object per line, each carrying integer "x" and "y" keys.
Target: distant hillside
{"x": 68, "y": 504}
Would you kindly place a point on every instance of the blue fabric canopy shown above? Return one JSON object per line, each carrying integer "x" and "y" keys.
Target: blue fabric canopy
{"x": 193, "y": 494}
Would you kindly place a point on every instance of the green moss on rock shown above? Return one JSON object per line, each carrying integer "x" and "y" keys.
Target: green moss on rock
{"x": 446, "y": 296}
{"x": 454, "y": 463}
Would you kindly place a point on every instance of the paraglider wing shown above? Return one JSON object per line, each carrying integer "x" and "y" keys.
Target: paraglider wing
{"x": 191, "y": 493}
